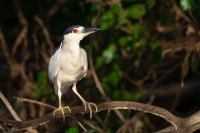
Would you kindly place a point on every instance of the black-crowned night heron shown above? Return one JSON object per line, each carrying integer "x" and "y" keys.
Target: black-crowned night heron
{"x": 68, "y": 64}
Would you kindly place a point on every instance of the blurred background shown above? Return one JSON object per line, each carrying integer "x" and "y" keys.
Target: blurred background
{"x": 147, "y": 51}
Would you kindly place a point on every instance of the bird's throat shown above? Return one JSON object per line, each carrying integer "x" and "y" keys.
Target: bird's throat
{"x": 73, "y": 48}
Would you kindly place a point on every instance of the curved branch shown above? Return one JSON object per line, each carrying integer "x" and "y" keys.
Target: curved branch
{"x": 127, "y": 105}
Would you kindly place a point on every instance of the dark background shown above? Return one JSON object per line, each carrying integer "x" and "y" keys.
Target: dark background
{"x": 147, "y": 51}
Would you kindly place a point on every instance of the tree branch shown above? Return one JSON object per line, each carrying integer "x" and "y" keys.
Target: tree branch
{"x": 102, "y": 106}
{"x": 189, "y": 124}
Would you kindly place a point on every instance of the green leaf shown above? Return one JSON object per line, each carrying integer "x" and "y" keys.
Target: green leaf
{"x": 99, "y": 62}
{"x": 186, "y": 4}
{"x": 116, "y": 94}
{"x": 107, "y": 20}
{"x": 16, "y": 105}
{"x": 108, "y": 54}
{"x": 72, "y": 130}
{"x": 113, "y": 78}
{"x": 115, "y": 9}
{"x": 123, "y": 41}
{"x": 136, "y": 11}
{"x": 106, "y": 87}
{"x": 43, "y": 86}
{"x": 136, "y": 32}
{"x": 153, "y": 44}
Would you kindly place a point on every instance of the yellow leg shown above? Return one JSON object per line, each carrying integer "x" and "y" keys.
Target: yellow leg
{"x": 60, "y": 108}
{"x": 85, "y": 103}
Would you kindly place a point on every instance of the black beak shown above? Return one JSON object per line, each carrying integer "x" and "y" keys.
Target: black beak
{"x": 90, "y": 30}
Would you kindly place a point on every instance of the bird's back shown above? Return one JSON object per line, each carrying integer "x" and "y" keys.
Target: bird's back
{"x": 54, "y": 66}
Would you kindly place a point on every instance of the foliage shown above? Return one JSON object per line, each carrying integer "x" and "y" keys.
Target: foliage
{"x": 187, "y": 4}
{"x": 42, "y": 85}
{"x": 132, "y": 54}
{"x": 72, "y": 130}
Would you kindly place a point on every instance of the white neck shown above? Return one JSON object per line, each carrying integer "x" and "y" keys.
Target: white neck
{"x": 73, "y": 47}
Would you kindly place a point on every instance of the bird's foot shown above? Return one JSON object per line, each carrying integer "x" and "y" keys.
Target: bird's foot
{"x": 88, "y": 105}
{"x": 62, "y": 111}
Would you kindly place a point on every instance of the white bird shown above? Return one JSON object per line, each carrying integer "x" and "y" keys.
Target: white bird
{"x": 68, "y": 64}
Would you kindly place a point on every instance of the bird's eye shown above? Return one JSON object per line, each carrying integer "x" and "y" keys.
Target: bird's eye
{"x": 75, "y": 30}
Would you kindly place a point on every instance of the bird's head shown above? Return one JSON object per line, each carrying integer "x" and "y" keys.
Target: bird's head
{"x": 78, "y": 32}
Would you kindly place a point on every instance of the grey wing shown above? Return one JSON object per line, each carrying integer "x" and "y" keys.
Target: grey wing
{"x": 54, "y": 66}
{"x": 84, "y": 62}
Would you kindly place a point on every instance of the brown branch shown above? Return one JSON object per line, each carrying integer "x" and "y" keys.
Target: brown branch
{"x": 129, "y": 123}
{"x": 99, "y": 86}
{"x": 5, "y": 49}
{"x": 13, "y": 113}
{"x": 55, "y": 8}
{"x": 45, "y": 32}
{"x": 188, "y": 124}
{"x": 19, "y": 99}
{"x": 185, "y": 44}
{"x": 180, "y": 13}
{"x": 91, "y": 125}
{"x": 19, "y": 13}
{"x": 9, "y": 107}
{"x": 113, "y": 105}
{"x": 22, "y": 36}
{"x": 95, "y": 77}
{"x": 15, "y": 67}
{"x": 79, "y": 123}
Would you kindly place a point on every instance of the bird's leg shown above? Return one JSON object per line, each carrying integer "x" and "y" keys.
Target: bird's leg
{"x": 60, "y": 108}
{"x": 85, "y": 103}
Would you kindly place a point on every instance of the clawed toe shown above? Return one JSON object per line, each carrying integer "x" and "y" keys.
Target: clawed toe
{"x": 88, "y": 104}
{"x": 68, "y": 109}
{"x": 62, "y": 111}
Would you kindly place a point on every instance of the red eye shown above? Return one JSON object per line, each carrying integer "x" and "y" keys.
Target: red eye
{"x": 75, "y": 30}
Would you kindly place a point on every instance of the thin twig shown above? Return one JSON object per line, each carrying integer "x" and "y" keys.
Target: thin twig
{"x": 22, "y": 36}
{"x": 87, "y": 122}
{"x": 180, "y": 13}
{"x": 9, "y": 107}
{"x": 5, "y": 49}
{"x": 45, "y": 32}
{"x": 55, "y": 8}
{"x": 19, "y": 99}
{"x": 14, "y": 114}
{"x": 95, "y": 77}
{"x": 79, "y": 123}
